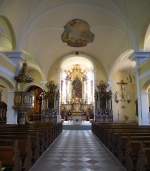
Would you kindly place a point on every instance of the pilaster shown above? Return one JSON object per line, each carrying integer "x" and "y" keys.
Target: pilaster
{"x": 140, "y": 58}
{"x": 11, "y": 113}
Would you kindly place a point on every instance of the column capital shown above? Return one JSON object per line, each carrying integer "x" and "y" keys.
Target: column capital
{"x": 141, "y": 56}
{"x": 17, "y": 57}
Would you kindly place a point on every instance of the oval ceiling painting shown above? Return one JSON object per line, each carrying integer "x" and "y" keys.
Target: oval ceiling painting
{"x": 77, "y": 33}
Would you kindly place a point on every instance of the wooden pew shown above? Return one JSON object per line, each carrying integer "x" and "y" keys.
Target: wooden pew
{"x": 116, "y": 139}
{"x": 0, "y": 165}
{"x": 9, "y": 156}
{"x": 24, "y": 145}
{"x": 143, "y": 163}
{"x": 22, "y": 149}
{"x": 126, "y": 142}
{"x": 35, "y": 137}
{"x": 133, "y": 154}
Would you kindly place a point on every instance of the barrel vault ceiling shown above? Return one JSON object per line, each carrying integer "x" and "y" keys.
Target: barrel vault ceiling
{"x": 118, "y": 25}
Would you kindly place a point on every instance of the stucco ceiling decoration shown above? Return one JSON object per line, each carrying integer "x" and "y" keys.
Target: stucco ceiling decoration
{"x": 77, "y": 33}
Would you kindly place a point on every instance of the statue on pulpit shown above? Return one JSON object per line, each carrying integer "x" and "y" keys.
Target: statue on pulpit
{"x": 77, "y": 88}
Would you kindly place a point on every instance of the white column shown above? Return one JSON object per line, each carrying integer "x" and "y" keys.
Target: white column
{"x": 11, "y": 113}
{"x": 69, "y": 90}
{"x": 66, "y": 91}
{"x": 143, "y": 118}
{"x": 83, "y": 90}
{"x": 138, "y": 91}
{"x": 61, "y": 90}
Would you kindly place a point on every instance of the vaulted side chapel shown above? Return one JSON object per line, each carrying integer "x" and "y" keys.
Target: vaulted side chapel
{"x": 74, "y": 85}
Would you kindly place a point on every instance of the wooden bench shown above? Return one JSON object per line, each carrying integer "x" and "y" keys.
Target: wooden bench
{"x": 21, "y": 145}
{"x": 22, "y": 149}
{"x": 9, "y": 156}
{"x": 143, "y": 163}
{"x": 133, "y": 153}
{"x": 128, "y": 142}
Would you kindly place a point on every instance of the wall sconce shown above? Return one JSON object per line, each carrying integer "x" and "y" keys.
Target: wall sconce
{"x": 123, "y": 96}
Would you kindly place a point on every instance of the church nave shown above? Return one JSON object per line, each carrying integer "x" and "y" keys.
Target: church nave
{"x": 74, "y": 85}
{"x": 77, "y": 150}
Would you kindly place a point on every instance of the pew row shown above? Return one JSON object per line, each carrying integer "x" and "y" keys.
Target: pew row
{"x": 129, "y": 142}
{"x": 22, "y": 145}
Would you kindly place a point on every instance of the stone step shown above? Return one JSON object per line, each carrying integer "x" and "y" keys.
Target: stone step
{"x": 77, "y": 127}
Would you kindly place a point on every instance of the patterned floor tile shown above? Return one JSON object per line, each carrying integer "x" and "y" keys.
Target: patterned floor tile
{"x": 77, "y": 150}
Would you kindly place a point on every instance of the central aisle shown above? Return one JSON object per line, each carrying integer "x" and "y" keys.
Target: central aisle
{"x": 77, "y": 150}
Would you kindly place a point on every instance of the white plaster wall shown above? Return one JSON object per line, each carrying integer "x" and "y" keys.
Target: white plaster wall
{"x": 11, "y": 113}
{"x": 124, "y": 111}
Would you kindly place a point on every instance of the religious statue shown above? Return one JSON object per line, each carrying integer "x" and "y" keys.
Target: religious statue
{"x": 51, "y": 86}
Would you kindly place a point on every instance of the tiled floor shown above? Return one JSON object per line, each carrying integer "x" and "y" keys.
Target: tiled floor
{"x": 77, "y": 150}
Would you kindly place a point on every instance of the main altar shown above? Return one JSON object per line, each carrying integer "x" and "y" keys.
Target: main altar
{"x": 76, "y": 103}
{"x": 77, "y": 111}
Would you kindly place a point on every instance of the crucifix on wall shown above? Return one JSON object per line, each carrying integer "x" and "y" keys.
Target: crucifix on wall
{"x": 122, "y": 85}
{"x": 123, "y": 95}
